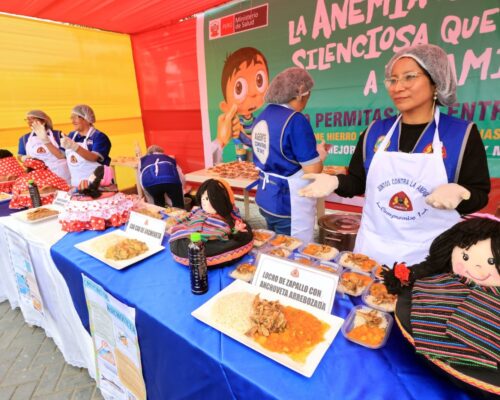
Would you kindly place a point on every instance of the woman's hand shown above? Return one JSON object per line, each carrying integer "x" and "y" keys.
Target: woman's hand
{"x": 447, "y": 196}
{"x": 40, "y": 131}
{"x": 69, "y": 144}
{"x": 322, "y": 150}
{"x": 321, "y": 186}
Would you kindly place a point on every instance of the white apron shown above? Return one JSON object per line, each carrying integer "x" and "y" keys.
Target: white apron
{"x": 302, "y": 209}
{"x": 397, "y": 223}
{"x": 79, "y": 167}
{"x": 36, "y": 149}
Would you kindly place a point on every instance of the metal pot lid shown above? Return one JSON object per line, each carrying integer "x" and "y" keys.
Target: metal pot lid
{"x": 341, "y": 223}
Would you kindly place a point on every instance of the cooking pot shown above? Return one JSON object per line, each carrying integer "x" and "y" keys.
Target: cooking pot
{"x": 339, "y": 230}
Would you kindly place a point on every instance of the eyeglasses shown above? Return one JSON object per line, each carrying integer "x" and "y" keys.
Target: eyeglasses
{"x": 407, "y": 80}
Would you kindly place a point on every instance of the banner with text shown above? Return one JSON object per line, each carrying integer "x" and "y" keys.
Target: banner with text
{"x": 345, "y": 45}
{"x": 116, "y": 346}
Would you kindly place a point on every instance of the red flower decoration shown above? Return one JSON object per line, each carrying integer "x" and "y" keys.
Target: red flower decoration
{"x": 402, "y": 272}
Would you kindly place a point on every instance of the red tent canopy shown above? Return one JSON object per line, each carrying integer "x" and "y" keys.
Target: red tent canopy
{"x": 125, "y": 16}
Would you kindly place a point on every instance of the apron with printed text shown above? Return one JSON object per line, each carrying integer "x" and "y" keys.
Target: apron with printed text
{"x": 79, "y": 167}
{"x": 397, "y": 223}
{"x": 36, "y": 149}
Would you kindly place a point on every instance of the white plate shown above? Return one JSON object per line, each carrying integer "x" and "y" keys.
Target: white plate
{"x": 204, "y": 314}
{"x": 22, "y": 215}
{"x": 96, "y": 247}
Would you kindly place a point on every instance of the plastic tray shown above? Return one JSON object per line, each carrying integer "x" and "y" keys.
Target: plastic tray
{"x": 349, "y": 325}
{"x": 304, "y": 260}
{"x": 341, "y": 289}
{"x": 330, "y": 266}
{"x": 295, "y": 245}
{"x": 334, "y": 251}
{"x": 353, "y": 267}
{"x": 365, "y": 296}
{"x": 246, "y": 260}
{"x": 273, "y": 250}
{"x": 258, "y": 243}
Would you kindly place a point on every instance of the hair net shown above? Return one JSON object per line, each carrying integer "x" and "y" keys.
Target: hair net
{"x": 84, "y": 111}
{"x": 41, "y": 115}
{"x": 435, "y": 61}
{"x": 288, "y": 84}
{"x": 155, "y": 149}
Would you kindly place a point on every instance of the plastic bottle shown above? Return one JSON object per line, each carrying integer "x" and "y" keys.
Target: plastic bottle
{"x": 36, "y": 200}
{"x": 197, "y": 264}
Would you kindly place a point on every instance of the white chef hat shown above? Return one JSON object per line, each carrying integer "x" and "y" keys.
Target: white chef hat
{"x": 40, "y": 115}
{"x": 434, "y": 60}
{"x": 84, "y": 111}
{"x": 288, "y": 84}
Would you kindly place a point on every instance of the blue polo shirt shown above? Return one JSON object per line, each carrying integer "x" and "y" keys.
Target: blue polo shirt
{"x": 24, "y": 139}
{"x": 98, "y": 143}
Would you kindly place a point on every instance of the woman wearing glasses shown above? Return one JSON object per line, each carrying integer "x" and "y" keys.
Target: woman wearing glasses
{"x": 43, "y": 143}
{"x": 419, "y": 170}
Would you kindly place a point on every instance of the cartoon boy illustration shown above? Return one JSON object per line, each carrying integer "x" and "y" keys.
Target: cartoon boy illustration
{"x": 244, "y": 81}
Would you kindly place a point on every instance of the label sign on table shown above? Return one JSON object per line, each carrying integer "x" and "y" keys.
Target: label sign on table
{"x": 299, "y": 282}
{"x": 146, "y": 228}
{"x": 116, "y": 347}
{"x": 61, "y": 199}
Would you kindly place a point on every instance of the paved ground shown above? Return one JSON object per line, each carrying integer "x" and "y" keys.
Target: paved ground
{"x": 31, "y": 367}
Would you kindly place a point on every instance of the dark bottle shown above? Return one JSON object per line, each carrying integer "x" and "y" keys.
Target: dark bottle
{"x": 197, "y": 264}
{"x": 36, "y": 201}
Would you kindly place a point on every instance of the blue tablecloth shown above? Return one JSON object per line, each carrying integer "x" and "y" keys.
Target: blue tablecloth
{"x": 184, "y": 358}
{"x": 4, "y": 209}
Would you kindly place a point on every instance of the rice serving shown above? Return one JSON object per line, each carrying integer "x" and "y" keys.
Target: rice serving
{"x": 233, "y": 311}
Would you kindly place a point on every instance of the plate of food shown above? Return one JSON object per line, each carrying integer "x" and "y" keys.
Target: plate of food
{"x": 262, "y": 236}
{"x": 367, "y": 327}
{"x": 118, "y": 250}
{"x": 353, "y": 283}
{"x": 375, "y": 295}
{"x": 286, "y": 242}
{"x": 358, "y": 262}
{"x": 319, "y": 251}
{"x": 286, "y": 331}
{"x": 38, "y": 214}
{"x": 5, "y": 197}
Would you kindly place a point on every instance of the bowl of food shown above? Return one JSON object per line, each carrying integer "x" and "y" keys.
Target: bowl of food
{"x": 262, "y": 236}
{"x": 357, "y": 262}
{"x": 286, "y": 242}
{"x": 353, "y": 283}
{"x": 367, "y": 327}
{"x": 375, "y": 295}
{"x": 319, "y": 251}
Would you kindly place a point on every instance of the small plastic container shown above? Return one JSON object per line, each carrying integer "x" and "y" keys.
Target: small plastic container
{"x": 286, "y": 242}
{"x": 365, "y": 279}
{"x": 369, "y": 299}
{"x": 351, "y": 323}
{"x": 318, "y": 251}
{"x": 262, "y": 236}
{"x": 376, "y": 273}
{"x": 341, "y": 260}
{"x": 330, "y": 266}
{"x": 240, "y": 272}
{"x": 304, "y": 260}
{"x": 276, "y": 251}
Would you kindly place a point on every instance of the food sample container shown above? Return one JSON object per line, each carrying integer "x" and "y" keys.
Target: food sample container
{"x": 376, "y": 296}
{"x": 353, "y": 282}
{"x": 319, "y": 251}
{"x": 367, "y": 327}
{"x": 366, "y": 267}
{"x": 304, "y": 260}
{"x": 286, "y": 242}
{"x": 262, "y": 236}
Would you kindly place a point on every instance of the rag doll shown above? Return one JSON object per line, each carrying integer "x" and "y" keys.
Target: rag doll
{"x": 227, "y": 237}
{"x": 449, "y": 305}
